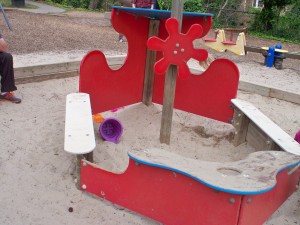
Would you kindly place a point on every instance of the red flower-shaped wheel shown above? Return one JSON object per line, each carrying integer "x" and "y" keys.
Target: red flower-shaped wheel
{"x": 177, "y": 48}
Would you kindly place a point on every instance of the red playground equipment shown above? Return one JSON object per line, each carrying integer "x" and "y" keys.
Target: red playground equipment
{"x": 161, "y": 185}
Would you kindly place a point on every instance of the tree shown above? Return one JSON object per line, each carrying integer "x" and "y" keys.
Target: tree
{"x": 270, "y": 13}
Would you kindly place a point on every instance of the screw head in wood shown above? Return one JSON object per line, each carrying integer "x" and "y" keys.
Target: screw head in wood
{"x": 231, "y": 200}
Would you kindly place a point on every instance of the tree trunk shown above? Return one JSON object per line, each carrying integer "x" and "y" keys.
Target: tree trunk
{"x": 223, "y": 7}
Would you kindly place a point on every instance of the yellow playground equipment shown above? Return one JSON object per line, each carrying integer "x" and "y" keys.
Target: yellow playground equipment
{"x": 220, "y": 44}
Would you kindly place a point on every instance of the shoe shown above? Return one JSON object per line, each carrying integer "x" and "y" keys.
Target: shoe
{"x": 9, "y": 97}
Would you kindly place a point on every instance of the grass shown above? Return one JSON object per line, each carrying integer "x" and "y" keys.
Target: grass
{"x": 270, "y": 37}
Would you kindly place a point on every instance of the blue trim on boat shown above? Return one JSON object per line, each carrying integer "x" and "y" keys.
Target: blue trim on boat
{"x": 158, "y": 14}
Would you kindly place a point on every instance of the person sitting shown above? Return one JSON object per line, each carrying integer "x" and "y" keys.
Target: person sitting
{"x": 7, "y": 74}
{"x": 148, "y": 4}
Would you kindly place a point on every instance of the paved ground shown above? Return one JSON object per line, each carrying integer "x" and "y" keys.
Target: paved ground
{"x": 42, "y": 8}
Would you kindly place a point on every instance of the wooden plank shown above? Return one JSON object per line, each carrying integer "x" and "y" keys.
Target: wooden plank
{"x": 292, "y": 55}
{"x": 236, "y": 30}
{"x": 150, "y": 61}
{"x": 61, "y": 67}
{"x": 286, "y": 54}
{"x": 170, "y": 84}
{"x": 239, "y": 177}
{"x": 43, "y": 77}
{"x": 253, "y": 49}
{"x": 177, "y": 9}
{"x": 79, "y": 128}
{"x": 35, "y": 70}
{"x": 285, "y": 95}
{"x": 168, "y": 105}
{"x": 254, "y": 88}
{"x": 259, "y": 140}
{"x": 240, "y": 123}
{"x": 273, "y": 131}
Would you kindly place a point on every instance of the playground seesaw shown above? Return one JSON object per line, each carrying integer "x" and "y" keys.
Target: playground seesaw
{"x": 273, "y": 55}
{"x": 164, "y": 186}
{"x": 221, "y": 44}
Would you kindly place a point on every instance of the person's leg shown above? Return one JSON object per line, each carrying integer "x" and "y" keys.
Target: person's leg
{"x": 7, "y": 78}
{"x": 7, "y": 73}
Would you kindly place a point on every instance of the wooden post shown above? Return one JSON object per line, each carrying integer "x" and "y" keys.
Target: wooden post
{"x": 89, "y": 157}
{"x": 170, "y": 83}
{"x": 150, "y": 61}
{"x": 78, "y": 161}
{"x": 240, "y": 123}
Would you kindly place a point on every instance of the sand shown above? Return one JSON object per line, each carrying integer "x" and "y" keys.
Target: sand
{"x": 37, "y": 178}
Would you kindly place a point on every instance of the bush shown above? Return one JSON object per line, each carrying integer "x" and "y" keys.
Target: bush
{"x": 189, "y": 5}
{"x": 6, "y": 3}
{"x": 286, "y": 26}
{"x": 193, "y": 6}
{"x": 165, "y": 4}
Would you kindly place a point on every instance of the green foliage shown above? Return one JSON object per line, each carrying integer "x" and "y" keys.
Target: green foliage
{"x": 6, "y": 3}
{"x": 266, "y": 36}
{"x": 74, "y": 3}
{"x": 295, "y": 11}
{"x": 63, "y": 3}
{"x": 82, "y": 4}
{"x": 193, "y": 6}
{"x": 189, "y": 5}
{"x": 272, "y": 21}
{"x": 270, "y": 14}
{"x": 165, "y": 4}
{"x": 226, "y": 15}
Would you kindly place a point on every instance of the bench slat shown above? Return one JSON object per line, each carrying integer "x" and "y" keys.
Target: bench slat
{"x": 272, "y": 130}
{"x": 79, "y": 128}
{"x": 255, "y": 174}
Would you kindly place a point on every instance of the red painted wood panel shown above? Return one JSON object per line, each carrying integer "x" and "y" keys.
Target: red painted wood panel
{"x": 262, "y": 206}
{"x": 163, "y": 195}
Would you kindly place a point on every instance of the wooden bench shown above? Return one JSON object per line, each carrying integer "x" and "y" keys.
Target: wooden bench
{"x": 79, "y": 129}
{"x": 259, "y": 131}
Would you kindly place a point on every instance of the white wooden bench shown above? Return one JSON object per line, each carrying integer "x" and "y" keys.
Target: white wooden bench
{"x": 259, "y": 131}
{"x": 79, "y": 128}
{"x": 239, "y": 177}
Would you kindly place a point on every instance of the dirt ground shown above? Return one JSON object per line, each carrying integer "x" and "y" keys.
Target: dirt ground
{"x": 37, "y": 183}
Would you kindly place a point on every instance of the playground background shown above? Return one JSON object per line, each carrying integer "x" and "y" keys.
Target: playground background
{"x": 37, "y": 175}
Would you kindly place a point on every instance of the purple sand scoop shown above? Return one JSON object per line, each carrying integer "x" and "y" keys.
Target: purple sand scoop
{"x": 297, "y": 137}
{"x": 111, "y": 130}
